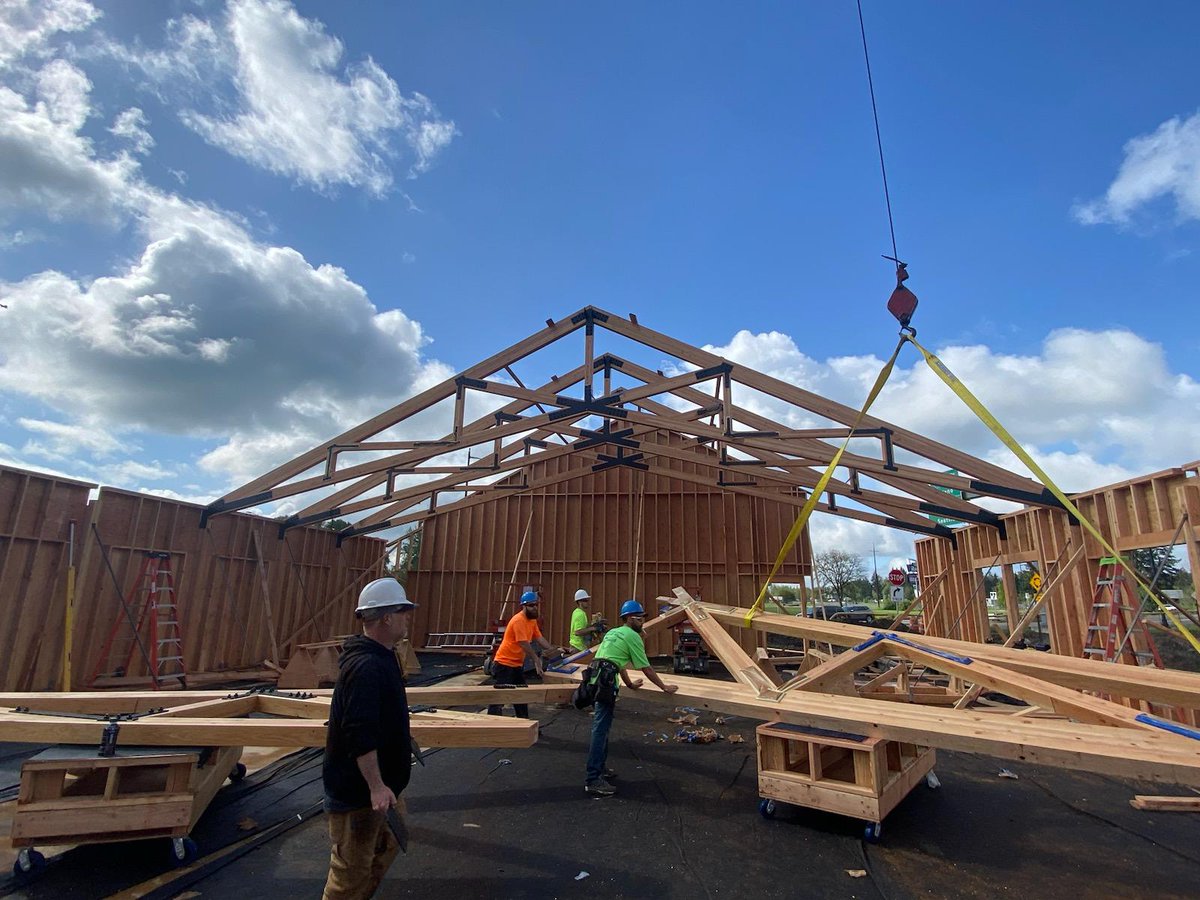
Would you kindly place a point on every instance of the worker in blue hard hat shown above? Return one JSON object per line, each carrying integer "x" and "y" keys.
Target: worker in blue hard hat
{"x": 621, "y": 649}
{"x": 522, "y": 641}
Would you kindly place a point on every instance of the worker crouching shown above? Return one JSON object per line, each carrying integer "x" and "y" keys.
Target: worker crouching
{"x": 368, "y": 750}
{"x": 621, "y": 649}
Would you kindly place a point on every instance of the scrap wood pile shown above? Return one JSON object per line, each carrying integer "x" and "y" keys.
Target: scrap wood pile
{"x": 1128, "y": 721}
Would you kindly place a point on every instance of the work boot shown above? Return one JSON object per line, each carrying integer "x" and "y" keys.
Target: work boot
{"x": 600, "y": 788}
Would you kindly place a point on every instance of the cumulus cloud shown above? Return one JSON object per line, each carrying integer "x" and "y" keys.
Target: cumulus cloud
{"x": 1126, "y": 417}
{"x": 204, "y": 335}
{"x": 272, "y": 88}
{"x": 27, "y": 26}
{"x": 1087, "y": 423}
{"x": 206, "y": 332}
{"x": 1164, "y": 164}
{"x": 49, "y": 167}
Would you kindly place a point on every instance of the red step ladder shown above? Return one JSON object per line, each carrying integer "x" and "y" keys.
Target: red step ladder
{"x": 1109, "y": 625}
{"x": 149, "y": 622}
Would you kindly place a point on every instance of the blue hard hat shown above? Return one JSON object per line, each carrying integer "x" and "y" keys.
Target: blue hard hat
{"x": 529, "y": 597}
{"x": 631, "y": 608}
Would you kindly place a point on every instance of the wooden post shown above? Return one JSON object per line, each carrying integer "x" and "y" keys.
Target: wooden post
{"x": 266, "y": 596}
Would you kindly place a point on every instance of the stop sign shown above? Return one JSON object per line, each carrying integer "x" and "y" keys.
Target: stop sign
{"x": 896, "y": 577}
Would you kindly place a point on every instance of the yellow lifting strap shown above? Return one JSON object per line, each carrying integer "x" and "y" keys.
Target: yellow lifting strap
{"x": 815, "y": 496}
{"x": 999, "y": 430}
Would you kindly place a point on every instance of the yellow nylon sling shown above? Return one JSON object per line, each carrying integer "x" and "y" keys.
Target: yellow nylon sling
{"x": 815, "y": 496}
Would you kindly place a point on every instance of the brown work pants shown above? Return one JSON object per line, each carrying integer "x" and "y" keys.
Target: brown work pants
{"x": 363, "y": 849}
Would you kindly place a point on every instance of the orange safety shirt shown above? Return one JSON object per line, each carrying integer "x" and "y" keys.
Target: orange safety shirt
{"x": 520, "y": 628}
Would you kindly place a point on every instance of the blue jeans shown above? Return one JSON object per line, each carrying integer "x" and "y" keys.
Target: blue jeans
{"x": 598, "y": 755}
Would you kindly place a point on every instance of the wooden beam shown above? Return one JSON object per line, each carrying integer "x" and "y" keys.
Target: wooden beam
{"x": 1121, "y": 752}
{"x": 429, "y": 730}
{"x": 726, "y": 649}
{"x": 836, "y": 676}
{"x": 1168, "y": 686}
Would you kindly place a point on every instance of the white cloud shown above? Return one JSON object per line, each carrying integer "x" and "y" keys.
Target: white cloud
{"x": 26, "y": 26}
{"x": 1162, "y": 164}
{"x": 68, "y": 440}
{"x": 271, "y": 87}
{"x": 51, "y": 169}
{"x": 1092, "y": 408}
{"x": 207, "y": 332}
{"x": 130, "y": 124}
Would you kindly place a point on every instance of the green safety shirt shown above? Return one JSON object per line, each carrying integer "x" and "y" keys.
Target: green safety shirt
{"x": 624, "y": 647}
{"x": 579, "y": 621}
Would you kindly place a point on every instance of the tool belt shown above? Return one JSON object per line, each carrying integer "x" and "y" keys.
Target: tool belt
{"x": 597, "y": 685}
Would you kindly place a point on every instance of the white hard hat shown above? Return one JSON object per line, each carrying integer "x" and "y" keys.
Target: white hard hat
{"x": 382, "y": 593}
{"x": 581, "y": 594}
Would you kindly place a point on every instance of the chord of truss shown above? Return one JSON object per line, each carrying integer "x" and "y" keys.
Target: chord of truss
{"x": 775, "y": 460}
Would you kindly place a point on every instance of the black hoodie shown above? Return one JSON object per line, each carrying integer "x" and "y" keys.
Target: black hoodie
{"x": 369, "y": 712}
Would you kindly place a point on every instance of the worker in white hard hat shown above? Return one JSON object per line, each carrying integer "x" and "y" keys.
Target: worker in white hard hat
{"x": 581, "y": 628}
{"x": 368, "y": 748}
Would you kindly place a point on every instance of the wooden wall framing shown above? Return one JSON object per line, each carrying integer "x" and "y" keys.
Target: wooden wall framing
{"x": 1136, "y": 514}
{"x": 584, "y": 533}
{"x": 219, "y": 582}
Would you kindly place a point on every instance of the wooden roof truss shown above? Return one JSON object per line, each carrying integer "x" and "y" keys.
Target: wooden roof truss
{"x": 369, "y": 480}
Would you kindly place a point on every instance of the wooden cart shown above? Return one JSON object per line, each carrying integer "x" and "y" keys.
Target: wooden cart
{"x": 861, "y": 777}
{"x": 73, "y": 795}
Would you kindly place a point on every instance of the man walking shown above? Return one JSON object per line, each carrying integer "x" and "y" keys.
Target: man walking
{"x": 621, "y": 649}
{"x": 368, "y": 750}
{"x": 522, "y": 641}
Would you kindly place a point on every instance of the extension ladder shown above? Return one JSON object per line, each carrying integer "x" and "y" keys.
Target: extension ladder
{"x": 1109, "y": 636}
{"x": 156, "y": 631}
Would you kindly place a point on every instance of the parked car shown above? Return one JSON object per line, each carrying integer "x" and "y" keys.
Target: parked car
{"x": 831, "y": 611}
{"x": 854, "y": 613}
{"x": 858, "y": 614}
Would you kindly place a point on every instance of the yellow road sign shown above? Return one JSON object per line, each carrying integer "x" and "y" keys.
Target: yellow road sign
{"x": 1036, "y": 581}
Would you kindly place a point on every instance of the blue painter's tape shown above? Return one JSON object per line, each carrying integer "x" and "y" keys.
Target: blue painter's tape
{"x": 1165, "y": 725}
{"x": 965, "y": 660}
{"x": 870, "y": 642}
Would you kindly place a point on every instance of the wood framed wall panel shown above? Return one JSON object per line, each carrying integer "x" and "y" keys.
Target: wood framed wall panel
{"x": 1140, "y": 513}
{"x": 218, "y": 588}
{"x": 585, "y": 533}
{"x": 36, "y": 511}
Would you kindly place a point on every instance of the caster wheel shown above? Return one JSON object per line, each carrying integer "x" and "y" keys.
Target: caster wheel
{"x": 238, "y": 773}
{"x": 766, "y": 808}
{"x": 29, "y": 864}
{"x": 183, "y": 850}
{"x": 872, "y": 832}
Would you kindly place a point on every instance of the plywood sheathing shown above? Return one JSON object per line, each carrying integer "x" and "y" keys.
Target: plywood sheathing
{"x": 219, "y": 588}
{"x": 718, "y": 543}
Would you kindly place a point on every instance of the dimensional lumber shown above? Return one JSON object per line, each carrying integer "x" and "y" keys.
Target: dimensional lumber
{"x": 1154, "y": 510}
{"x": 217, "y": 573}
{"x": 1123, "y": 752}
{"x": 206, "y": 723}
{"x": 1166, "y": 686}
{"x": 717, "y": 485}
{"x": 1136, "y": 746}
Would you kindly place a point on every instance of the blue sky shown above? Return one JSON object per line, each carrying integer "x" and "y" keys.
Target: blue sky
{"x": 230, "y": 230}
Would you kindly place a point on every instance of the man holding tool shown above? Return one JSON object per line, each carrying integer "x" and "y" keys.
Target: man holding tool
{"x": 522, "y": 641}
